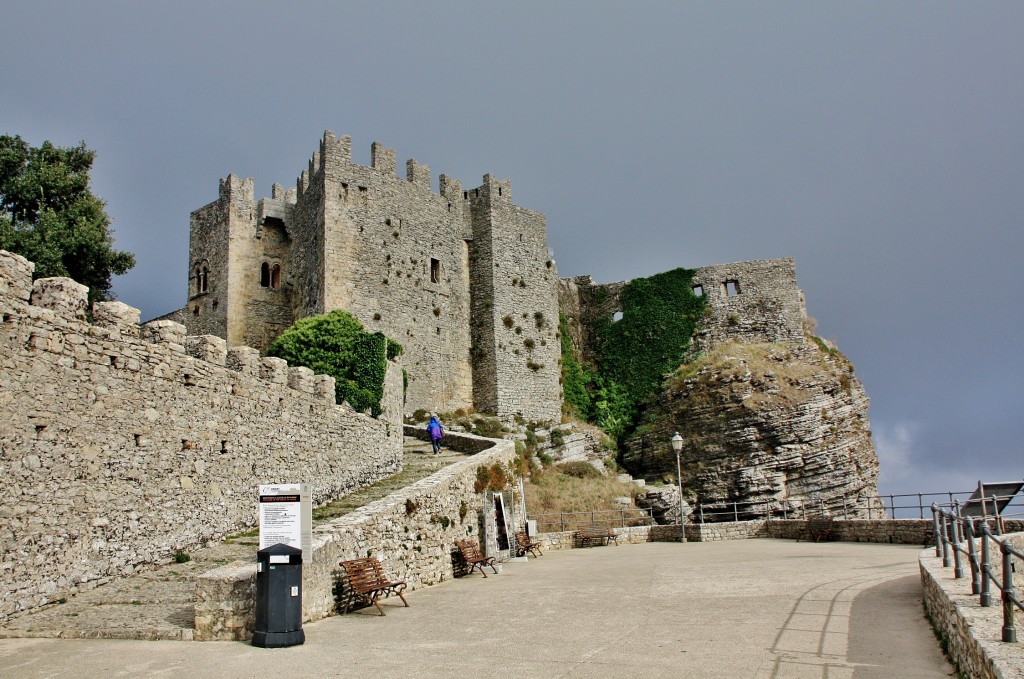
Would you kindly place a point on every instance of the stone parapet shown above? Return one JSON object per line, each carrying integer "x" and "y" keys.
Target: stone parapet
{"x": 15, "y": 276}
{"x": 117, "y": 317}
{"x": 62, "y": 296}
{"x": 121, "y": 447}
{"x": 972, "y": 633}
{"x": 412, "y": 532}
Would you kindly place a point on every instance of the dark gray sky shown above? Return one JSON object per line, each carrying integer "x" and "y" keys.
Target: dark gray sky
{"x": 881, "y": 144}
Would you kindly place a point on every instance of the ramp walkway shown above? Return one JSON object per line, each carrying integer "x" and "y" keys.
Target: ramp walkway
{"x": 158, "y": 603}
{"x": 748, "y": 608}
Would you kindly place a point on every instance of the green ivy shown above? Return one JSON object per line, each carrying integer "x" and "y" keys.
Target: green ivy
{"x": 574, "y": 378}
{"x": 659, "y": 316}
{"x": 336, "y": 344}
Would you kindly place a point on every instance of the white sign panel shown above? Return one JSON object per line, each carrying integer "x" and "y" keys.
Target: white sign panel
{"x": 286, "y": 516}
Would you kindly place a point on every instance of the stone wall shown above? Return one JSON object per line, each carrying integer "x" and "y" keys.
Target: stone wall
{"x": 120, "y": 445}
{"x": 973, "y": 634}
{"x": 893, "y": 531}
{"x": 412, "y": 532}
{"x": 756, "y": 301}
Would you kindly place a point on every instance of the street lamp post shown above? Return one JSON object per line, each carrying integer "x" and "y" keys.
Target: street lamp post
{"x": 677, "y": 445}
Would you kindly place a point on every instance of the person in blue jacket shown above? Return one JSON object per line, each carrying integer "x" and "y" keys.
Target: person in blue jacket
{"x": 436, "y": 431}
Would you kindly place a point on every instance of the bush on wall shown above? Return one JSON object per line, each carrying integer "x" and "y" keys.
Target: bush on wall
{"x": 336, "y": 344}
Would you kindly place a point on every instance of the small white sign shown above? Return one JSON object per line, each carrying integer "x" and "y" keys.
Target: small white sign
{"x": 286, "y": 516}
{"x": 295, "y": 591}
{"x": 279, "y": 558}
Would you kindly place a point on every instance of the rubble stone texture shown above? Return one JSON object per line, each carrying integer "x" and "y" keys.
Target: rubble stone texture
{"x": 766, "y": 426}
{"x": 118, "y": 446}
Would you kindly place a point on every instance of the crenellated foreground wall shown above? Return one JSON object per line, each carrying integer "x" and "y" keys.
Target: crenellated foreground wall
{"x": 121, "y": 444}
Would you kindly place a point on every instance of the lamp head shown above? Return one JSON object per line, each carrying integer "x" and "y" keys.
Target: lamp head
{"x": 677, "y": 442}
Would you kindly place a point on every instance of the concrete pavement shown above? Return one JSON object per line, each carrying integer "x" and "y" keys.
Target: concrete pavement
{"x": 749, "y": 608}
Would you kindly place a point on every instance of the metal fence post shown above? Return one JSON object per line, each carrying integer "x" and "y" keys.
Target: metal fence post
{"x": 1009, "y": 633}
{"x": 920, "y": 506}
{"x": 561, "y": 518}
{"x": 735, "y": 514}
{"x": 972, "y": 557}
{"x": 701, "y": 508}
{"x": 938, "y": 537}
{"x": 844, "y": 507}
{"x": 958, "y": 568}
{"x": 945, "y": 540}
{"x": 986, "y": 568}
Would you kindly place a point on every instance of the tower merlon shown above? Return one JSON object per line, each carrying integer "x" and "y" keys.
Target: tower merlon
{"x": 383, "y": 159}
{"x": 417, "y": 173}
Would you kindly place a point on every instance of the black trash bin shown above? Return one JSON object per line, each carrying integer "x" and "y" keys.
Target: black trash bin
{"x": 278, "y": 597}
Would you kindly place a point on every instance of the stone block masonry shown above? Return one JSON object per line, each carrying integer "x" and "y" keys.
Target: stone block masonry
{"x": 412, "y": 532}
{"x": 121, "y": 444}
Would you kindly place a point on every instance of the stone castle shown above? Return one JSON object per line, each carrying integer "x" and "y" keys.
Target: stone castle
{"x": 462, "y": 278}
{"x": 127, "y": 442}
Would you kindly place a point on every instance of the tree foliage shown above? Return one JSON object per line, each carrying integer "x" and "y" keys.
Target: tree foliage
{"x": 336, "y": 344}
{"x": 49, "y": 215}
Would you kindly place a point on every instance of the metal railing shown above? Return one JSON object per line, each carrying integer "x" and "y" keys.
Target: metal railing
{"x": 898, "y": 507}
{"x": 957, "y": 535}
{"x": 563, "y": 521}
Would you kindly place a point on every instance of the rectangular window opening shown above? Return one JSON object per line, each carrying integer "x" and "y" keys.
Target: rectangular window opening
{"x": 435, "y": 270}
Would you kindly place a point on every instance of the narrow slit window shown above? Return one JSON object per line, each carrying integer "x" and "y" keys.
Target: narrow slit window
{"x": 435, "y": 270}
{"x": 265, "y": 275}
{"x": 275, "y": 277}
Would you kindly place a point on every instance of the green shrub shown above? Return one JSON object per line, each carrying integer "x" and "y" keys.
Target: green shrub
{"x": 336, "y": 344}
{"x": 579, "y": 470}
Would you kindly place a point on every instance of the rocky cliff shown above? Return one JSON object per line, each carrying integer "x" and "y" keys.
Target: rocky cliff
{"x": 772, "y": 427}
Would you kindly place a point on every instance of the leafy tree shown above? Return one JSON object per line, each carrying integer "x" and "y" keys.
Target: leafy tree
{"x": 336, "y": 344}
{"x": 49, "y": 215}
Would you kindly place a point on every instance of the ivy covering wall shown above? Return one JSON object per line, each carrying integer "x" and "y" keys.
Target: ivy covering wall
{"x": 336, "y": 344}
{"x": 634, "y": 353}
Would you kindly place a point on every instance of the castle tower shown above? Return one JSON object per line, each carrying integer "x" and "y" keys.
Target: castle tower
{"x": 462, "y": 279}
{"x": 516, "y": 347}
{"x": 217, "y": 249}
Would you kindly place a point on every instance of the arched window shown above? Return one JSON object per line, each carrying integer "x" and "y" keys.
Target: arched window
{"x": 265, "y": 275}
{"x": 275, "y": 277}
{"x": 202, "y": 277}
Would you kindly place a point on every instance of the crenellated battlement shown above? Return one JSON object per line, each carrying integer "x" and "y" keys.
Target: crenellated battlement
{"x": 68, "y": 303}
{"x": 156, "y": 438}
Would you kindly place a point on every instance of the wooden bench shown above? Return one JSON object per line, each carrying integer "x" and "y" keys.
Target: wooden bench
{"x": 589, "y": 535}
{"x": 526, "y": 545}
{"x": 820, "y": 528}
{"x": 474, "y": 559}
{"x": 368, "y": 583}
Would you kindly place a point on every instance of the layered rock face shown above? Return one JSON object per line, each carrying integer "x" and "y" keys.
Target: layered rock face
{"x": 773, "y": 427}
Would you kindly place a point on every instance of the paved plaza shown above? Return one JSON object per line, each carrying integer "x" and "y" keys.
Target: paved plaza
{"x": 749, "y": 608}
